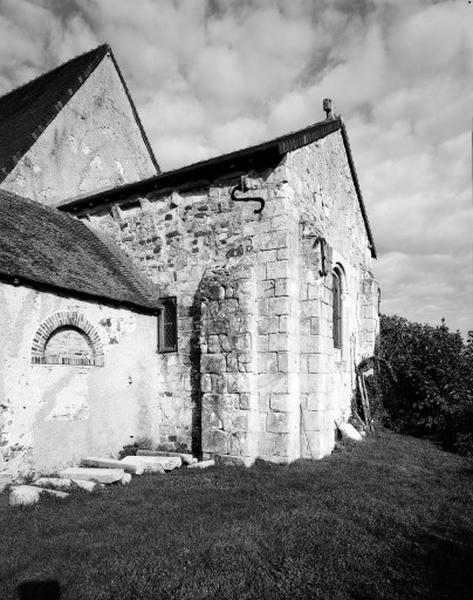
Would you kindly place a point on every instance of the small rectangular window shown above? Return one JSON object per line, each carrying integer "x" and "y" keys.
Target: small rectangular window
{"x": 167, "y": 325}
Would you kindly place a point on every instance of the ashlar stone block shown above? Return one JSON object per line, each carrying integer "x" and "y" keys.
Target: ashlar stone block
{"x": 280, "y": 403}
{"x": 279, "y": 306}
{"x": 267, "y": 362}
{"x": 277, "y": 270}
{"x": 238, "y": 383}
{"x": 277, "y": 342}
{"x": 278, "y": 422}
{"x": 212, "y": 363}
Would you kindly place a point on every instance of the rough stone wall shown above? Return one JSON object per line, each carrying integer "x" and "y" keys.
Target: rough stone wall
{"x": 296, "y": 383}
{"x": 52, "y": 415}
{"x": 177, "y": 239}
{"x": 228, "y": 366}
{"x": 93, "y": 144}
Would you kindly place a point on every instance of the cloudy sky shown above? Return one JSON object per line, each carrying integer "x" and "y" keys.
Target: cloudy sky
{"x": 211, "y": 76}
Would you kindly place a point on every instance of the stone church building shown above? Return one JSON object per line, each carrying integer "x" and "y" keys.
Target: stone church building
{"x": 222, "y": 306}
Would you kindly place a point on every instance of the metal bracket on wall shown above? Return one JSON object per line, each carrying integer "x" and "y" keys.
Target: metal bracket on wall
{"x": 238, "y": 188}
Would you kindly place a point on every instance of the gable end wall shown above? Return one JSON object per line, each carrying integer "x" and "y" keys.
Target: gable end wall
{"x": 94, "y": 143}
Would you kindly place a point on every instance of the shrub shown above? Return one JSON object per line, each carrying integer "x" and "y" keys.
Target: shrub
{"x": 426, "y": 382}
{"x": 142, "y": 443}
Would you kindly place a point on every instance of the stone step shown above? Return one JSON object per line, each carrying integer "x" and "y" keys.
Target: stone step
{"x": 65, "y": 484}
{"x": 110, "y": 463}
{"x": 204, "y": 464}
{"x": 23, "y": 495}
{"x": 187, "y": 459}
{"x": 152, "y": 463}
{"x": 90, "y": 474}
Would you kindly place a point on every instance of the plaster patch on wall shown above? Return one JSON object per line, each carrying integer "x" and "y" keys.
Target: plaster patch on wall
{"x": 96, "y": 163}
{"x": 71, "y": 403}
{"x": 120, "y": 168}
{"x": 115, "y": 328}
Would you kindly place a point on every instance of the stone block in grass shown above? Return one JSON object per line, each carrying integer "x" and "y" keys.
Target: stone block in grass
{"x": 24, "y": 495}
{"x": 110, "y": 463}
{"x": 187, "y": 459}
{"x": 65, "y": 484}
{"x": 106, "y": 476}
{"x": 204, "y": 464}
{"x": 155, "y": 464}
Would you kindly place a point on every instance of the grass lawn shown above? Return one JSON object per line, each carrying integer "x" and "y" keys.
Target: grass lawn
{"x": 389, "y": 518}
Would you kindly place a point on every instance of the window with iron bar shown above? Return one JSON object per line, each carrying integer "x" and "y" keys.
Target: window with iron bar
{"x": 167, "y": 325}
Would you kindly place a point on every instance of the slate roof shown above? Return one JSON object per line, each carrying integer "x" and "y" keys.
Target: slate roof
{"x": 26, "y": 111}
{"x": 47, "y": 249}
{"x": 202, "y": 173}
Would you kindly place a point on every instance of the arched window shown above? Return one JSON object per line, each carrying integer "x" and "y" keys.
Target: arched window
{"x": 68, "y": 346}
{"x": 67, "y": 338}
{"x": 337, "y": 307}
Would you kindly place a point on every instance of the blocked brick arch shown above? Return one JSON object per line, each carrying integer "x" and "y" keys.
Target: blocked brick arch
{"x": 67, "y": 338}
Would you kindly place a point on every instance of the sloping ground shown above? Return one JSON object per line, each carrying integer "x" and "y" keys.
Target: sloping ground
{"x": 390, "y": 518}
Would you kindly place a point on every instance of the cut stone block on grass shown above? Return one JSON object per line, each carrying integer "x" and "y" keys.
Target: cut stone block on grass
{"x": 125, "y": 480}
{"x": 54, "y": 493}
{"x": 233, "y": 461}
{"x": 147, "y": 466}
{"x": 187, "y": 459}
{"x": 349, "y": 432}
{"x": 65, "y": 484}
{"x": 110, "y": 463}
{"x": 202, "y": 465}
{"x": 153, "y": 463}
{"x": 106, "y": 476}
{"x": 24, "y": 495}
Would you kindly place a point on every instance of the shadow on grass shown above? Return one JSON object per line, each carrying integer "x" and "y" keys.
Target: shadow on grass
{"x": 39, "y": 590}
{"x": 449, "y": 559}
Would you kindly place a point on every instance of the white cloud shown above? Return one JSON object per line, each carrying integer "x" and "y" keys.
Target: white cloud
{"x": 209, "y": 76}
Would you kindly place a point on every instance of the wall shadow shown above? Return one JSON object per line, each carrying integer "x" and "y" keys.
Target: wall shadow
{"x": 195, "y": 354}
{"x": 39, "y": 590}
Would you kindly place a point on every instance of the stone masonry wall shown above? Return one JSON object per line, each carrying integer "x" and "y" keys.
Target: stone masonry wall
{"x": 94, "y": 143}
{"x": 298, "y": 384}
{"x": 228, "y": 365}
{"x": 176, "y": 239}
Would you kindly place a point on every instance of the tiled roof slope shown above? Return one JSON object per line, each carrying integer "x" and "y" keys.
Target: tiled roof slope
{"x": 26, "y": 111}
{"x": 41, "y": 245}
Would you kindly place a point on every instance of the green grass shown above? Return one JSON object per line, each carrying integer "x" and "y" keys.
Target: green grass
{"x": 389, "y": 518}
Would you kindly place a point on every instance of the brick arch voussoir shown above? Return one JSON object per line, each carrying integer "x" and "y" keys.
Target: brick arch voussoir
{"x": 65, "y": 319}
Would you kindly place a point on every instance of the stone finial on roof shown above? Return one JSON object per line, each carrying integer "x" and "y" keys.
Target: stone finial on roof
{"x": 328, "y": 108}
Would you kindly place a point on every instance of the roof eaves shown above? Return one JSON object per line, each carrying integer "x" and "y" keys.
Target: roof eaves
{"x": 47, "y": 286}
{"x": 275, "y": 148}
